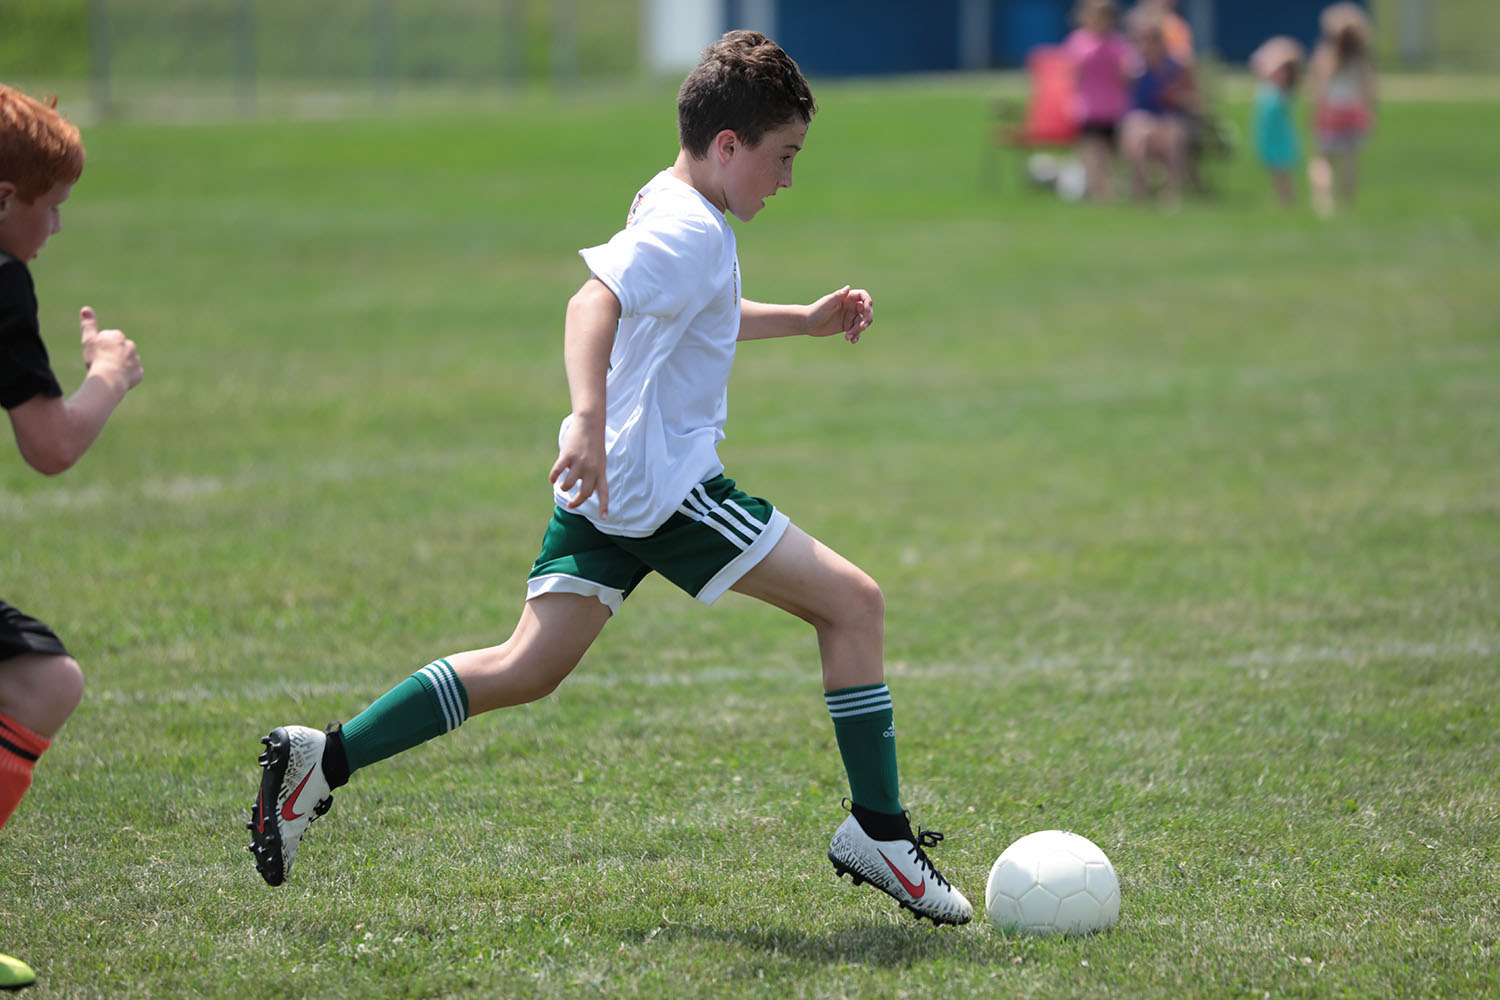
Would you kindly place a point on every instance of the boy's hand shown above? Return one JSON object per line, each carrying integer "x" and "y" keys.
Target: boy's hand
{"x": 849, "y": 311}
{"x": 109, "y": 354}
{"x": 580, "y": 462}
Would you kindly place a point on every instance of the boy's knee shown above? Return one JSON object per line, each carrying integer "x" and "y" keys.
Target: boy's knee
{"x": 541, "y": 687}
{"x": 864, "y": 600}
{"x": 66, "y": 679}
{"x": 538, "y": 680}
{"x": 56, "y": 691}
{"x": 41, "y": 691}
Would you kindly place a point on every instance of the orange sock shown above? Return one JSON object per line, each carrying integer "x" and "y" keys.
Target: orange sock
{"x": 19, "y": 750}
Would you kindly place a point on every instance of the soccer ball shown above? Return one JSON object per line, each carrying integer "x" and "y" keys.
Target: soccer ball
{"x": 1041, "y": 169}
{"x": 1053, "y": 882}
{"x": 1072, "y": 181}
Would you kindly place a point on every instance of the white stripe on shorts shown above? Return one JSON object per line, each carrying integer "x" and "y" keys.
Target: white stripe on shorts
{"x": 741, "y": 564}
{"x": 445, "y": 685}
{"x": 728, "y": 519}
{"x": 729, "y": 507}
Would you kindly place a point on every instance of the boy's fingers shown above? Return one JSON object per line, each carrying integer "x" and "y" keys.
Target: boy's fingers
{"x": 88, "y": 322}
{"x": 581, "y": 495}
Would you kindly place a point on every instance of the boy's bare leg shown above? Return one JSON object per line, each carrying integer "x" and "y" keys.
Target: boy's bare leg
{"x": 553, "y": 633}
{"x": 875, "y": 844}
{"x": 807, "y": 578}
{"x": 302, "y": 766}
{"x": 40, "y": 690}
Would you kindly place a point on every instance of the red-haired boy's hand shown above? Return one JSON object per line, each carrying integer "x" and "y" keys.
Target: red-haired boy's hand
{"x": 109, "y": 354}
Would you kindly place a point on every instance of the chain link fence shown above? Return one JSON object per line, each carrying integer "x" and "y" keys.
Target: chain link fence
{"x": 215, "y": 57}
{"x": 241, "y": 55}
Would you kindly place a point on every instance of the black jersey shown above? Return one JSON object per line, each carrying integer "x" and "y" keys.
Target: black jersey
{"x": 25, "y": 370}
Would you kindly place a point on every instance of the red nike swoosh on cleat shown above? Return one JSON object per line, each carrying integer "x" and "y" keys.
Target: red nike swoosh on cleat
{"x": 260, "y": 811}
{"x": 916, "y": 891}
{"x": 288, "y": 815}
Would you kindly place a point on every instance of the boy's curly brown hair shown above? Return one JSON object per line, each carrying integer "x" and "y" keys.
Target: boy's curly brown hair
{"x": 745, "y": 83}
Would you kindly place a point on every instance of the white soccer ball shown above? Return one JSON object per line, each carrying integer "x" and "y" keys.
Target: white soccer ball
{"x": 1051, "y": 882}
{"x": 1072, "y": 181}
{"x": 1041, "y": 168}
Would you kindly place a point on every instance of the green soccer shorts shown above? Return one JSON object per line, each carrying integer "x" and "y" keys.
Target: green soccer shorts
{"x": 716, "y": 536}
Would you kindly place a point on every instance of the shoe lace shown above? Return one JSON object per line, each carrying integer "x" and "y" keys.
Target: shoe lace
{"x": 927, "y": 838}
{"x": 923, "y": 838}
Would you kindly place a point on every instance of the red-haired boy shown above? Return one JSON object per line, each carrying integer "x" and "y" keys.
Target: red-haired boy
{"x": 41, "y": 157}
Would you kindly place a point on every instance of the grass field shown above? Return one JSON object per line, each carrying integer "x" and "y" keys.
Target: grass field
{"x": 1189, "y": 529}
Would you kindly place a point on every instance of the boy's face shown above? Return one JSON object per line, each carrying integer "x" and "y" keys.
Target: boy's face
{"x": 25, "y": 227}
{"x": 755, "y": 173}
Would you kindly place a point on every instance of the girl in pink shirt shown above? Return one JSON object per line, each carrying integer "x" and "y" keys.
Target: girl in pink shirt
{"x": 1103, "y": 63}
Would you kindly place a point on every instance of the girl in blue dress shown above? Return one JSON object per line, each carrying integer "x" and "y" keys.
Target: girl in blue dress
{"x": 1278, "y": 66}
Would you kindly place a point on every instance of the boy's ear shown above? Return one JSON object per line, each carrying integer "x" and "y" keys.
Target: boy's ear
{"x": 725, "y": 144}
{"x": 7, "y": 197}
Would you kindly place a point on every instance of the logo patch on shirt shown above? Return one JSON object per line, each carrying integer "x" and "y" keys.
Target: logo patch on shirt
{"x": 630, "y": 216}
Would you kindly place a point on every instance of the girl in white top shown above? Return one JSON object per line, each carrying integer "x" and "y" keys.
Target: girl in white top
{"x": 1341, "y": 86}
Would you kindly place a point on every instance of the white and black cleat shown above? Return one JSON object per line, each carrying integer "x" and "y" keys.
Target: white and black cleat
{"x": 901, "y": 869}
{"x": 293, "y": 793}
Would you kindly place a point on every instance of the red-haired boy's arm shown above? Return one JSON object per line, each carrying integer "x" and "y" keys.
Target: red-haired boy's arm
{"x": 52, "y": 433}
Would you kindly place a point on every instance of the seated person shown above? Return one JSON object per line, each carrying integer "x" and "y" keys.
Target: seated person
{"x": 1157, "y": 130}
{"x": 1175, "y": 31}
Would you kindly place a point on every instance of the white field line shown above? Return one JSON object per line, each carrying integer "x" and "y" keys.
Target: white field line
{"x": 1396, "y": 651}
{"x": 195, "y": 489}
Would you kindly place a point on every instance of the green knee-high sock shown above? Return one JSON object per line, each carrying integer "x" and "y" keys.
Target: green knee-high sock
{"x": 865, "y": 727}
{"x": 430, "y": 702}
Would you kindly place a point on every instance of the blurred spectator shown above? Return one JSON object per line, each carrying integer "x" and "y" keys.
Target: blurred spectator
{"x": 1175, "y": 31}
{"x": 1157, "y": 131}
{"x": 1341, "y": 86}
{"x": 1277, "y": 65}
{"x": 1102, "y": 63}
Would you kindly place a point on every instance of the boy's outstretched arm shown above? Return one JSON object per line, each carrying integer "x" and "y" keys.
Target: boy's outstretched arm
{"x": 53, "y": 433}
{"x": 849, "y": 311}
{"x": 588, "y": 336}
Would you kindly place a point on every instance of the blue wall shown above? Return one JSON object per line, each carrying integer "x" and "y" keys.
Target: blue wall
{"x": 1241, "y": 27}
{"x": 864, "y": 37}
{"x": 869, "y": 37}
{"x": 1017, "y": 26}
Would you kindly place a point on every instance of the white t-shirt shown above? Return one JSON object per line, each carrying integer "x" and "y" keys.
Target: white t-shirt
{"x": 675, "y": 269}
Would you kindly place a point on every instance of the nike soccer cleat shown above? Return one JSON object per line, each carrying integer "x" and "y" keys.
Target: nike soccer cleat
{"x": 293, "y": 793}
{"x": 15, "y": 974}
{"x": 900, "y": 869}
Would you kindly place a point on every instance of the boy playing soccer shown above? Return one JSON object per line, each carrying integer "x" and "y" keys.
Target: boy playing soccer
{"x": 648, "y": 344}
{"x": 41, "y": 157}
